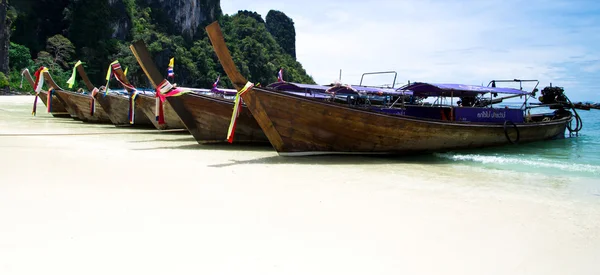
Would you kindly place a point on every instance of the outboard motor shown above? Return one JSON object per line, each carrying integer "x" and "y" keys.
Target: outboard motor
{"x": 551, "y": 95}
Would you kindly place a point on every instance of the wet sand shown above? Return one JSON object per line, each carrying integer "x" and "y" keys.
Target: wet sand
{"x": 78, "y": 198}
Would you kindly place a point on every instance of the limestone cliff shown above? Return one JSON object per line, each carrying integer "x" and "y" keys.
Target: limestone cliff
{"x": 185, "y": 16}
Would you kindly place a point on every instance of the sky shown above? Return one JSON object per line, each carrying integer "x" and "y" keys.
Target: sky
{"x": 438, "y": 41}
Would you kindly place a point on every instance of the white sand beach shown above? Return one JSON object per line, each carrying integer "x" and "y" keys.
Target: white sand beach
{"x": 77, "y": 198}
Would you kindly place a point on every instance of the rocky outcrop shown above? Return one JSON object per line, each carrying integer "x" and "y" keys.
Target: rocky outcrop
{"x": 187, "y": 15}
{"x": 282, "y": 29}
{"x": 121, "y": 25}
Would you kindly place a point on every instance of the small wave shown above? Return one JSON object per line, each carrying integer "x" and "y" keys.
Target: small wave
{"x": 538, "y": 163}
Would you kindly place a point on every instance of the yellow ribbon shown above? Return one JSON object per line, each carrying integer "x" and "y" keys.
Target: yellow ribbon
{"x": 71, "y": 80}
{"x": 108, "y": 74}
{"x": 236, "y": 110}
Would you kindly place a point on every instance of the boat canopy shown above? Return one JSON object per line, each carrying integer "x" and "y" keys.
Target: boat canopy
{"x": 291, "y": 86}
{"x": 431, "y": 89}
{"x": 367, "y": 90}
{"x": 337, "y": 89}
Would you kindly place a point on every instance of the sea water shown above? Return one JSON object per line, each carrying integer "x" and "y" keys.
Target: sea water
{"x": 577, "y": 155}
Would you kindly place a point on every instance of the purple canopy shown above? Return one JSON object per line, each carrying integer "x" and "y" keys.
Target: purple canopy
{"x": 338, "y": 89}
{"x": 291, "y": 86}
{"x": 431, "y": 89}
{"x": 367, "y": 90}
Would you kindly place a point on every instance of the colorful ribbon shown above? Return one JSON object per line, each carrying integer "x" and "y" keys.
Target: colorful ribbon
{"x": 132, "y": 98}
{"x": 164, "y": 87}
{"x": 108, "y": 75}
{"x": 37, "y": 86}
{"x": 49, "y": 100}
{"x": 71, "y": 80}
{"x": 34, "y": 111}
{"x": 236, "y": 110}
{"x": 22, "y": 75}
{"x": 93, "y": 101}
{"x": 163, "y": 90}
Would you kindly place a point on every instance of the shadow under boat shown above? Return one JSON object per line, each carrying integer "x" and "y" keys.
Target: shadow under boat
{"x": 298, "y": 126}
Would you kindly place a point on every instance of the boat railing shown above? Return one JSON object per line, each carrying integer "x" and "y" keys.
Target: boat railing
{"x": 374, "y": 73}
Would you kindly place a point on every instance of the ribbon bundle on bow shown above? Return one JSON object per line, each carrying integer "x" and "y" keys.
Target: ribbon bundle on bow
{"x": 236, "y": 110}
{"x": 163, "y": 90}
{"x": 49, "y": 100}
{"x": 37, "y": 86}
{"x": 93, "y": 101}
{"x": 71, "y": 80}
{"x": 133, "y": 93}
{"x": 132, "y": 97}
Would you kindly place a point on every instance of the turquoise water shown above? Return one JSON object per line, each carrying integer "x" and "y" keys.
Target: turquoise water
{"x": 573, "y": 156}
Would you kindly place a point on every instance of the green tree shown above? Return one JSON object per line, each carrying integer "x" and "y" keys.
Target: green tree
{"x": 90, "y": 31}
{"x": 19, "y": 57}
{"x": 3, "y": 80}
{"x": 256, "y": 53}
{"x": 252, "y": 14}
{"x": 39, "y": 19}
{"x": 61, "y": 48}
{"x": 282, "y": 29}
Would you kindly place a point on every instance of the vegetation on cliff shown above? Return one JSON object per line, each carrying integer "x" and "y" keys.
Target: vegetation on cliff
{"x": 57, "y": 33}
{"x": 282, "y": 29}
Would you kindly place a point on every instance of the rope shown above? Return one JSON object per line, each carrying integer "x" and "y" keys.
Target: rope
{"x": 506, "y": 132}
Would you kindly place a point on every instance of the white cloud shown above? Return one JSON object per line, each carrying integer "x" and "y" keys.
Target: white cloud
{"x": 439, "y": 41}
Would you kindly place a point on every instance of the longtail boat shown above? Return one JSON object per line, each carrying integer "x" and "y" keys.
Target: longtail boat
{"x": 122, "y": 109}
{"x": 53, "y": 105}
{"x": 206, "y": 116}
{"x": 77, "y": 104}
{"x": 297, "y": 125}
{"x": 168, "y": 119}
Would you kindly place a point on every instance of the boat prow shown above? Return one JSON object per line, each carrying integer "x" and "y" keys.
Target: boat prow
{"x": 57, "y": 108}
{"x": 206, "y": 117}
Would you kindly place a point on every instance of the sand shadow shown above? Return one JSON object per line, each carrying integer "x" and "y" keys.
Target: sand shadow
{"x": 211, "y": 146}
{"x": 428, "y": 159}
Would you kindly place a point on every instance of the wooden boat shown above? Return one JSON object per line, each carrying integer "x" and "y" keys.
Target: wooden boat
{"x": 297, "y": 125}
{"x": 206, "y": 117}
{"x": 58, "y": 109}
{"x": 117, "y": 105}
{"x": 147, "y": 103}
{"x": 77, "y": 104}
{"x": 582, "y": 106}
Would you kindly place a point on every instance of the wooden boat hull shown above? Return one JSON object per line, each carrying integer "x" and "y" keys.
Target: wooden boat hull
{"x": 301, "y": 126}
{"x": 208, "y": 118}
{"x": 117, "y": 109}
{"x": 58, "y": 109}
{"x": 147, "y": 104}
{"x": 79, "y": 105}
